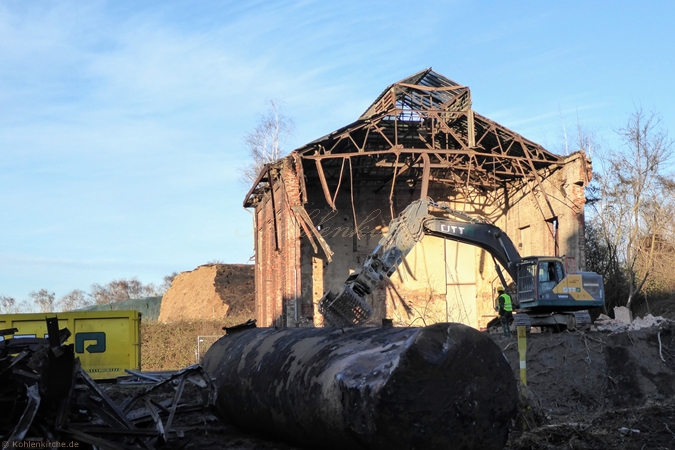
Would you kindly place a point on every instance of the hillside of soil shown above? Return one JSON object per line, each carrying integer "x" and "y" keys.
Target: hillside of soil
{"x": 210, "y": 292}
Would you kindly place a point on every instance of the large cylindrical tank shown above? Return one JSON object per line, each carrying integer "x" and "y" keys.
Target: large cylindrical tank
{"x": 442, "y": 386}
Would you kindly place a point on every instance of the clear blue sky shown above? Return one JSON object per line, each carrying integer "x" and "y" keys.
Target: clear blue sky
{"x": 121, "y": 122}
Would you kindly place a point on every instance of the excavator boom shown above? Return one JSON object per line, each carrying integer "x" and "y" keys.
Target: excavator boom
{"x": 541, "y": 282}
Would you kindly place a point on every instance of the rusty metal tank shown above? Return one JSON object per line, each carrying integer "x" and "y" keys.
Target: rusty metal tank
{"x": 442, "y": 386}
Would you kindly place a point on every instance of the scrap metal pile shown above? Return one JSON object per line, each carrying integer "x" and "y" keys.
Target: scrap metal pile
{"x": 46, "y": 397}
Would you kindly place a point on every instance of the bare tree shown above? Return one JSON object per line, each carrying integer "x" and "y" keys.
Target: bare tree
{"x": 265, "y": 143}
{"x": 75, "y": 299}
{"x": 122, "y": 289}
{"x": 166, "y": 284}
{"x": 114, "y": 291}
{"x": 127, "y": 289}
{"x": 635, "y": 201}
{"x": 43, "y": 299}
{"x": 660, "y": 282}
{"x": 100, "y": 294}
{"x": 150, "y": 290}
{"x": 7, "y": 305}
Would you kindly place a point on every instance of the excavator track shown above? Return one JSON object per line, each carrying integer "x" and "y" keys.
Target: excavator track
{"x": 576, "y": 320}
{"x": 522, "y": 320}
{"x": 583, "y": 319}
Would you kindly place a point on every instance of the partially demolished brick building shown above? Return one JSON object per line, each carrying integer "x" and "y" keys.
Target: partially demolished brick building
{"x": 322, "y": 209}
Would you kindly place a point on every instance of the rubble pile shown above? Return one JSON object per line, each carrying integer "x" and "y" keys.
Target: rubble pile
{"x": 47, "y": 398}
{"x": 623, "y": 321}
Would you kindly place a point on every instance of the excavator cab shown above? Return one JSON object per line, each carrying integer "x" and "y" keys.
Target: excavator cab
{"x": 544, "y": 285}
{"x": 550, "y": 273}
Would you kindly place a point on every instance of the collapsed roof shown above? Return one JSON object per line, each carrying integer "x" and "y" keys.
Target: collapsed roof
{"x": 422, "y": 128}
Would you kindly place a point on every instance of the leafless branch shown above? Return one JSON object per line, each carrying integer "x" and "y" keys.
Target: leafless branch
{"x": 265, "y": 143}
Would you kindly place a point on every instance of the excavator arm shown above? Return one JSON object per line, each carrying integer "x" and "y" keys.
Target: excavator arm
{"x": 349, "y": 307}
{"x": 484, "y": 235}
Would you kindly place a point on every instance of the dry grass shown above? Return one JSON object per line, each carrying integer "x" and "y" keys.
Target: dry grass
{"x": 174, "y": 346}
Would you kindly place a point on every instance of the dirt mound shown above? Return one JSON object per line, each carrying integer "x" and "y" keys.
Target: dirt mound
{"x": 210, "y": 292}
{"x": 585, "y": 372}
{"x": 592, "y": 390}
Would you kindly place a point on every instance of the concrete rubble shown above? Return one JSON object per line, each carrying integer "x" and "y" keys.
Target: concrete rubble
{"x": 623, "y": 321}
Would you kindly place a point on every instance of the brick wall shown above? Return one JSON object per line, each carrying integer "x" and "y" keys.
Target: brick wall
{"x": 277, "y": 244}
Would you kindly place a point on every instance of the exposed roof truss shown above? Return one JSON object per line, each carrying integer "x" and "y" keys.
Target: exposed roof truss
{"x": 425, "y": 123}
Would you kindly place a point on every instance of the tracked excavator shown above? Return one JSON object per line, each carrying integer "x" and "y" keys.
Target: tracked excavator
{"x": 544, "y": 295}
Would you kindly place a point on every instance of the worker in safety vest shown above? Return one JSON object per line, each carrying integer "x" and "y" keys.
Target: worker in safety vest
{"x": 505, "y": 310}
